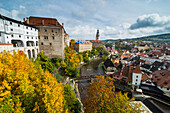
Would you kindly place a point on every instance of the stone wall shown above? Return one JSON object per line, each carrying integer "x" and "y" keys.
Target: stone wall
{"x": 51, "y": 41}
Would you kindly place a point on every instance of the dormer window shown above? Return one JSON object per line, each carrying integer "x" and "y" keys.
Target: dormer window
{"x": 11, "y": 29}
{"x": 165, "y": 83}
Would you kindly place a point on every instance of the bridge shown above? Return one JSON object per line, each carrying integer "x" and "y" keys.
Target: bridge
{"x": 86, "y": 77}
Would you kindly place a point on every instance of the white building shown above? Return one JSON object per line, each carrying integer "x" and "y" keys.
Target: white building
{"x": 136, "y": 77}
{"x": 23, "y": 37}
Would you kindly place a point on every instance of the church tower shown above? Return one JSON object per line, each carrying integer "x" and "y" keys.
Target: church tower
{"x": 97, "y": 35}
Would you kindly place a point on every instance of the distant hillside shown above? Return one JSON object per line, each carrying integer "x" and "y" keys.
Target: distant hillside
{"x": 156, "y": 38}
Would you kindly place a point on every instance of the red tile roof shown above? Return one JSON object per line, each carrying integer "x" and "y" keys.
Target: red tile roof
{"x": 145, "y": 77}
{"x": 96, "y": 41}
{"x": 162, "y": 78}
{"x": 137, "y": 70}
{"x": 43, "y": 21}
{"x": 6, "y": 44}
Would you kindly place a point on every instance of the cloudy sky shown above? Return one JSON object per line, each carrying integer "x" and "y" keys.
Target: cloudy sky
{"x": 116, "y": 19}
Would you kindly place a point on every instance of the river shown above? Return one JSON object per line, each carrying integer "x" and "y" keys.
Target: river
{"x": 91, "y": 68}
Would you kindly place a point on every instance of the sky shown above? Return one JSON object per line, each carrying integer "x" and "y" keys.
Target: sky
{"x": 115, "y": 19}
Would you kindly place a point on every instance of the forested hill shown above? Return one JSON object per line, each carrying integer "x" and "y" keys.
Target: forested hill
{"x": 161, "y": 38}
{"x": 156, "y": 38}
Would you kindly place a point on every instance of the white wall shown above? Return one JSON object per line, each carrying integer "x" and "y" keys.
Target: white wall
{"x": 19, "y": 32}
{"x": 136, "y": 78}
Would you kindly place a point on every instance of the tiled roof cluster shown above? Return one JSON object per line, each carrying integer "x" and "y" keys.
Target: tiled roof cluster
{"x": 162, "y": 78}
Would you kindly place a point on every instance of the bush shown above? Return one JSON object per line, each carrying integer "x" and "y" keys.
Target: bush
{"x": 86, "y": 59}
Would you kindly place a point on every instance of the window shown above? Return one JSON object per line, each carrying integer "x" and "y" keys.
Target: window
{"x": 136, "y": 79}
{"x": 31, "y": 28}
{"x": 26, "y": 27}
{"x": 46, "y": 37}
{"x": 38, "y": 37}
{"x": 136, "y": 76}
{"x": 27, "y": 37}
{"x": 167, "y": 88}
{"x": 45, "y": 30}
{"x": 19, "y": 36}
{"x": 11, "y": 29}
{"x": 10, "y": 23}
{"x": 18, "y": 25}
{"x": 52, "y": 30}
{"x": 41, "y": 43}
{"x": 50, "y": 44}
{"x": 0, "y": 33}
{"x": 7, "y": 37}
{"x": 53, "y": 37}
{"x": 38, "y": 29}
{"x": 32, "y": 37}
{"x": 36, "y": 43}
{"x": 136, "y": 83}
{"x": 12, "y": 35}
{"x": 27, "y": 32}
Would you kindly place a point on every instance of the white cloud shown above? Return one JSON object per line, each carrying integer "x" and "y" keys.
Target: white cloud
{"x": 151, "y": 20}
{"x": 82, "y": 32}
{"x": 15, "y": 14}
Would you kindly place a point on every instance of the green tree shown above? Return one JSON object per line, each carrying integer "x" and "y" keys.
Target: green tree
{"x": 71, "y": 102}
{"x": 45, "y": 62}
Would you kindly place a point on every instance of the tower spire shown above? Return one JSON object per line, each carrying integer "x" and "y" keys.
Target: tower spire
{"x": 97, "y": 35}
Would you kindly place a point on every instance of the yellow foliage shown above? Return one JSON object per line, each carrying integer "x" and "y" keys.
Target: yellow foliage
{"x": 25, "y": 87}
{"x": 102, "y": 98}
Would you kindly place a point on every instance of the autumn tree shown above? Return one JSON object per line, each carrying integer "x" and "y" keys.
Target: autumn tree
{"x": 103, "y": 99}
{"x": 70, "y": 66}
{"x": 26, "y": 87}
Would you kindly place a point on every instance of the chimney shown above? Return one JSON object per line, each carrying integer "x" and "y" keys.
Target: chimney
{"x": 63, "y": 24}
{"x": 27, "y": 20}
{"x": 43, "y": 22}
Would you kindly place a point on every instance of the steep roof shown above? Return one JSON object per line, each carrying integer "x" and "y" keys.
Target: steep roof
{"x": 16, "y": 21}
{"x": 162, "y": 78}
{"x": 137, "y": 70}
{"x": 42, "y": 21}
{"x": 108, "y": 63}
{"x": 145, "y": 77}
